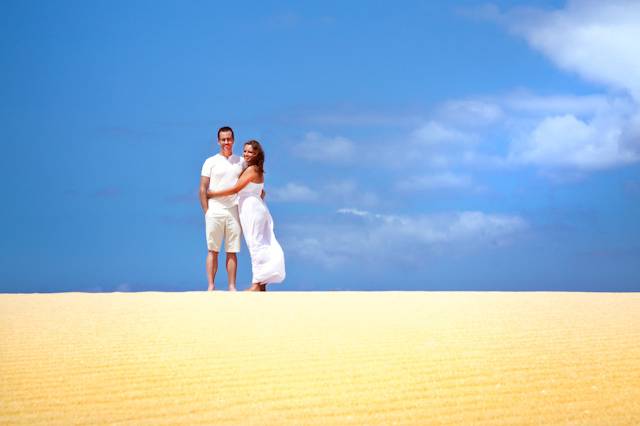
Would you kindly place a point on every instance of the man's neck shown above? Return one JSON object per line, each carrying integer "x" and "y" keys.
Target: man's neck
{"x": 226, "y": 155}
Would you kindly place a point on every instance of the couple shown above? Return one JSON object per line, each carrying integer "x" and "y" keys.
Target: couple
{"x": 232, "y": 198}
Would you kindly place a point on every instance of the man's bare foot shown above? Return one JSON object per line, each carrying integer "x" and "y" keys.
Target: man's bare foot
{"x": 211, "y": 287}
{"x": 263, "y": 287}
{"x": 254, "y": 287}
{"x": 232, "y": 288}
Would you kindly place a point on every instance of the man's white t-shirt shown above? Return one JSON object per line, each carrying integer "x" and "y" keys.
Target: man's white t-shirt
{"x": 223, "y": 173}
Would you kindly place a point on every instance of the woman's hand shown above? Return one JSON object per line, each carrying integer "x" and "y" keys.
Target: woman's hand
{"x": 211, "y": 194}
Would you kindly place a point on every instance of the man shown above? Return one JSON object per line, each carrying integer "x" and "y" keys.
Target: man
{"x": 221, "y": 213}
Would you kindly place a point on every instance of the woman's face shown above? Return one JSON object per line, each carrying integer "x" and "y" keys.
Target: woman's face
{"x": 248, "y": 153}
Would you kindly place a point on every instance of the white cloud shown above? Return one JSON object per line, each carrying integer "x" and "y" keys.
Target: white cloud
{"x": 314, "y": 248}
{"x": 292, "y": 192}
{"x": 349, "y": 192}
{"x": 436, "y": 144}
{"x": 558, "y": 104}
{"x": 573, "y": 133}
{"x": 440, "y": 181}
{"x": 566, "y": 141}
{"x": 470, "y": 112}
{"x": 364, "y": 236}
{"x": 434, "y": 132}
{"x": 483, "y": 160}
{"x": 569, "y": 133}
{"x": 355, "y": 212}
{"x": 563, "y": 135}
{"x": 316, "y": 147}
{"x": 468, "y": 226}
{"x": 596, "y": 39}
{"x": 332, "y": 192}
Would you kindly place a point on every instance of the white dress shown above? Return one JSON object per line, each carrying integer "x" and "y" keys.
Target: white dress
{"x": 267, "y": 257}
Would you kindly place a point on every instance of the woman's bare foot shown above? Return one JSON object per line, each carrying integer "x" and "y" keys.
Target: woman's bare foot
{"x": 211, "y": 287}
{"x": 232, "y": 288}
{"x": 254, "y": 287}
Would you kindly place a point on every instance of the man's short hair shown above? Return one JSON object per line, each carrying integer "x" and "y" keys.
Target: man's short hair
{"x": 226, "y": 129}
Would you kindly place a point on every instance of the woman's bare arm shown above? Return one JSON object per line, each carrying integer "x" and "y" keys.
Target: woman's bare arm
{"x": 246, "y": 177}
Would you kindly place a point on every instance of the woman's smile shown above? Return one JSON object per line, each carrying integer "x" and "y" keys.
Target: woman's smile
{"x": 248, "y": 153}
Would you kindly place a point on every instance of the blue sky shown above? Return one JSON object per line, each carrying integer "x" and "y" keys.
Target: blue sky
{"x": 410, "y": 145}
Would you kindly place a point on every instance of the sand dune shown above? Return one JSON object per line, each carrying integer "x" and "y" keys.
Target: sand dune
{"x": 320, "y": 358}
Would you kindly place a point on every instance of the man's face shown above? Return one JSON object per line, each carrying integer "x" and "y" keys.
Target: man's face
{"x": 225, "y": 140}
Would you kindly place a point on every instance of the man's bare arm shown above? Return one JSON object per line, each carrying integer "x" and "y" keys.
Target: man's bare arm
{"x": 204, "y": 185}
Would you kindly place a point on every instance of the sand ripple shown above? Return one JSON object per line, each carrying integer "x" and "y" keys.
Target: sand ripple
{"x": 320, "y": 358}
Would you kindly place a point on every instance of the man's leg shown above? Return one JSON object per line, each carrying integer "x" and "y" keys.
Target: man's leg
{"x": 233, "y": 231}
{"x": 214, "y": 231}
{"x": 212, "y": 268}
{"x": 232, "y": 268}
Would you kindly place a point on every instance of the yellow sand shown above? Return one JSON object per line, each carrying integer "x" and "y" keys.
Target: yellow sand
{"x": 320, "y": 358}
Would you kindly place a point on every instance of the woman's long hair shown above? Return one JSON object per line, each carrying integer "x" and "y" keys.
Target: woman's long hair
{"x": 258, "y": 159}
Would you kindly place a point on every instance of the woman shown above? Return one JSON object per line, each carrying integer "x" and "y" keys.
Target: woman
{"x": 267, "y": 257}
